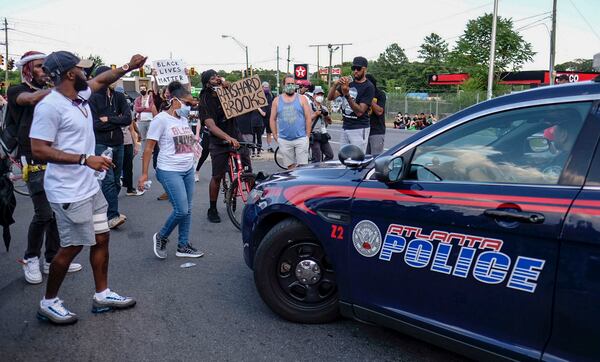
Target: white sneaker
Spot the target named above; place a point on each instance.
(56, 313)
(197, 177)
(31, 269)
(116, 222)
(74, 267)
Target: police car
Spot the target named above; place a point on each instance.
(480, 233)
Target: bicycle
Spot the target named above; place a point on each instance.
(15, 174)
(279, 159)
(240, 182)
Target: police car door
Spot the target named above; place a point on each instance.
(467, 240)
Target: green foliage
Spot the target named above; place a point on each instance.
(98, 61)
(576, 65)
(434, 49)
(473, 47)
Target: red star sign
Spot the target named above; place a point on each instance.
(300, 72)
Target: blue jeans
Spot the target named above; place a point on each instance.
(111, 185)
(180, 188)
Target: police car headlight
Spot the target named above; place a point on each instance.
(254, 195)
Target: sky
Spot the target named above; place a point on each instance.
(191, 30)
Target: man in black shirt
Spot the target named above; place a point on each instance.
(22, 99)
(224, 134)
(111, 112)
(357, 97)
(377, 117)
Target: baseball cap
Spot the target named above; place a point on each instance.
(360, 62)
(57, 63)
(318, 89)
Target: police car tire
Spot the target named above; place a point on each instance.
(265, 276)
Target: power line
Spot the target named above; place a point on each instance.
(40, 36)
(585, 20)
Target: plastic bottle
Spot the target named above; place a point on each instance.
(107, 153)
(147, 185)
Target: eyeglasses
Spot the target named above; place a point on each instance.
(355, 68)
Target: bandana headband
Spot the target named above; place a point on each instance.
(21, 62)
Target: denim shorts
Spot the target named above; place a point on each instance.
(79, 222)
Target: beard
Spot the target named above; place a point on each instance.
(80, 84)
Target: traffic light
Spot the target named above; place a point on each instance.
(192, 71)
(142, 72)
(11, 64)
(113, 66)
(1, 59)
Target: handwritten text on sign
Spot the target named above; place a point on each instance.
(242, 97)
(169, 70)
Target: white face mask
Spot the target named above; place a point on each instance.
(319, 99)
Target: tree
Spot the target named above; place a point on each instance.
(577, 65)
(98, 61)
(434, 49)
(391, 64)
(393, 56)
(473, 47)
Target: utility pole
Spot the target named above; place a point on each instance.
(331, 50)
(490, 82)
(553, 43)
(277, 85)
(6, 48)
(288, 61)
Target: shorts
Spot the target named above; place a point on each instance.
(79, 222)
(376, 144)
(219, 157)
(358, 137)
(294, 151)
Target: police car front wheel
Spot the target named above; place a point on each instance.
(294, 276)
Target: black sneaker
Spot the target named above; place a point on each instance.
(213, 216)
(188, 251)
(160, 244)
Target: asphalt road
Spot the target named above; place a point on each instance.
(208, 312)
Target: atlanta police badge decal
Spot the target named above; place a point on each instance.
(366, 238)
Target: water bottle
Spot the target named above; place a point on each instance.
(107, 153)
(147, 185)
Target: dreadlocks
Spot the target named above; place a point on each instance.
(26, 64)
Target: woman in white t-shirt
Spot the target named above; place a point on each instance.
(175, 168)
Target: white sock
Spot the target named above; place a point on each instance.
(102, 294)
(48, 302)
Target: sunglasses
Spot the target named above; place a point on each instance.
(355, 68)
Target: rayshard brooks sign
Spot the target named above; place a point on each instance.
(242, 97)
(169, 70)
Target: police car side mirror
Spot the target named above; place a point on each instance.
(352, 156)
(388, 169)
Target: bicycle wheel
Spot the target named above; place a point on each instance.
(279, 159)
(16, 177)
(236, 199)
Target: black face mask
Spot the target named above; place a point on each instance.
(143, 92)
(80, 84)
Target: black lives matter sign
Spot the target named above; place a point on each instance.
(242, 97)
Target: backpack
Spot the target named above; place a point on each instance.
(8, 134)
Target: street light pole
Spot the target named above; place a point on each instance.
(243, 46)
(490, 82)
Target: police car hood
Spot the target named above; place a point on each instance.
(323, 170)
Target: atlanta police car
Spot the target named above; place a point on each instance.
(480, 233)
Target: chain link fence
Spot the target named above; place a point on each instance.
(441, 104)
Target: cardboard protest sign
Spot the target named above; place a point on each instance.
(169, 70)
(242, 97)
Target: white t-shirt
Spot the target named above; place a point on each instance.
(175, 139)
(70, 128)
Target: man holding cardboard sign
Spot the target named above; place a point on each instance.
(224, 133)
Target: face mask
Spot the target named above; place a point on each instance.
(319, 99)
(184, 111)
(289, 89)
(143, 92)
(80, 83)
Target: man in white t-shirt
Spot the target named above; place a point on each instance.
(62, 135)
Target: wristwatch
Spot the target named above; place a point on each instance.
(82, 159)
(125, 67)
